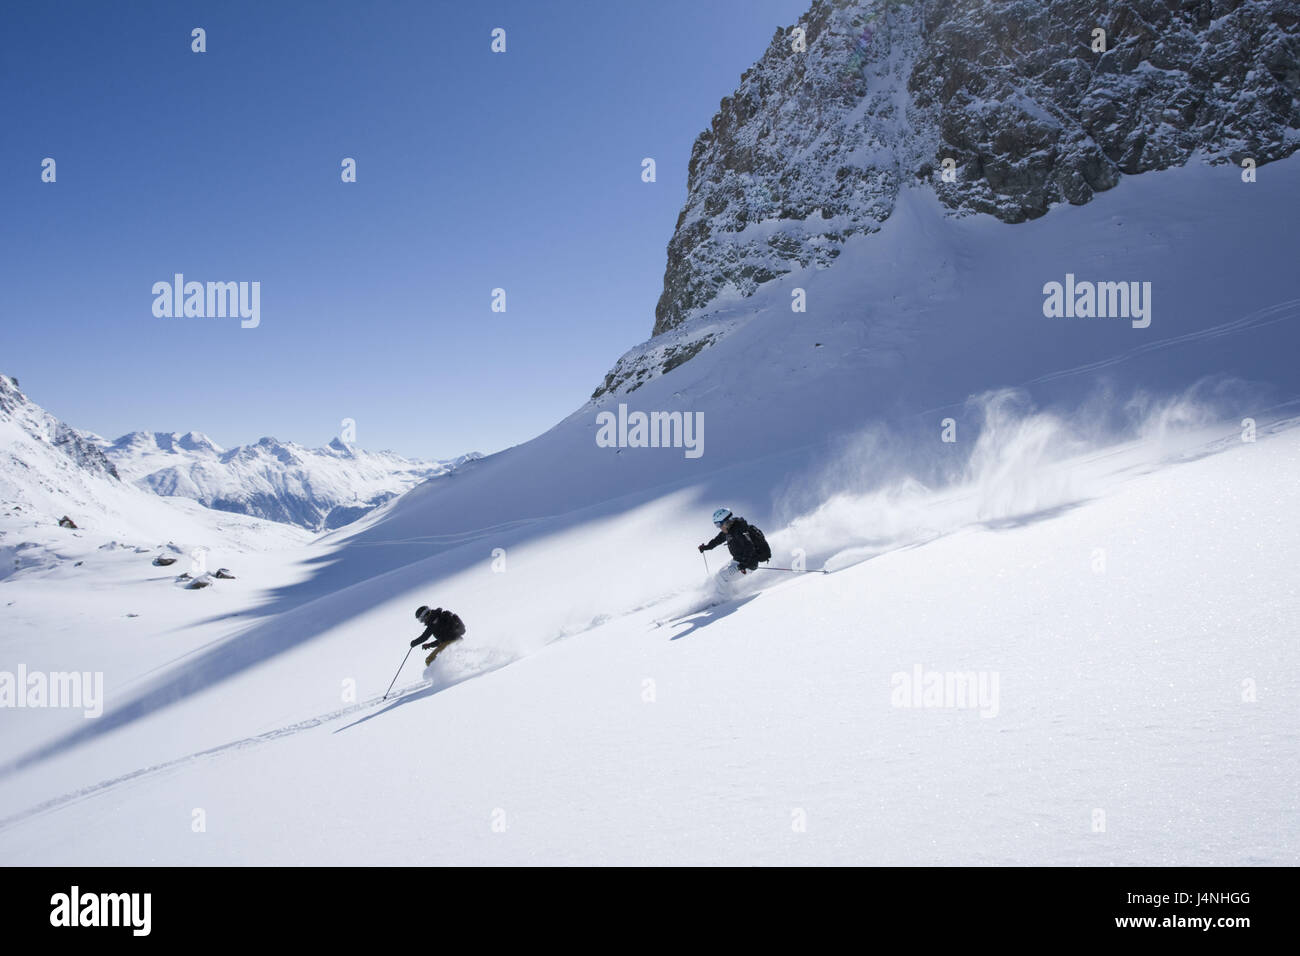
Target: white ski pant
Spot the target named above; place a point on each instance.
(729, 575)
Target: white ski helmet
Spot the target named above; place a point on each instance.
(721, 515)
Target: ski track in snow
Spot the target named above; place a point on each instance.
(1269, 315)
(484, 665)
(1278, 312)
(85, 793)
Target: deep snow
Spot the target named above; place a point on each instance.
(708, 739)
(1119, 690)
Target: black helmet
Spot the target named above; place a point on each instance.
(420, 611)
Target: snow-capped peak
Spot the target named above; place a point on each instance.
(315, 488)
(197, 441)
(142, 442)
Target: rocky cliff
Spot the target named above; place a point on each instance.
(1025, 104)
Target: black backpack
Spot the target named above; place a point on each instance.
(448, 626)
(762, 551)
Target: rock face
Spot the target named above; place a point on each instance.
(1058, 122)
(814, 145)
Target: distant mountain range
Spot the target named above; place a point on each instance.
(314, 488)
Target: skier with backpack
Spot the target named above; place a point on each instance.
(443, 626)
(746, 543)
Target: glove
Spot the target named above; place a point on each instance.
(703, 549)
(743, 571)
(414, 642)
(429, 646)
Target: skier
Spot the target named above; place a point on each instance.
(745, 542)
(443, 626)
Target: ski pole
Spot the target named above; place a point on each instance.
(706, 563)
(399, 670)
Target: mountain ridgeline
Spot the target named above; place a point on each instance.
(315, 488)
(1026, 104)
(319, 489)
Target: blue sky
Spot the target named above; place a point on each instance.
(475, 171)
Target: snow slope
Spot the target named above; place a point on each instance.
(764, 731)
(1120, 691)
(91, 597)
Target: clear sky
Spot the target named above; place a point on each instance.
(475, 171)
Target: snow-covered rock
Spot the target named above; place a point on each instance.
(814, 146)
(22, 413)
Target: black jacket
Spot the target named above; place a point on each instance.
(741, 548)
(442, 626)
